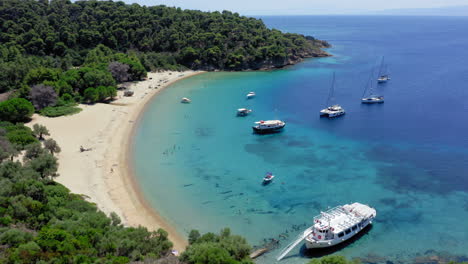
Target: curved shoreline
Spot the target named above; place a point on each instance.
(129, 177)
(104, 174)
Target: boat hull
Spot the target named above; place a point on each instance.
(372, 101)
(268, 130)
(311, 243)
(331, 115)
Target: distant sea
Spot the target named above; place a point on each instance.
(201, 167)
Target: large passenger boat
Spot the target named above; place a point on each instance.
(339, 224)
(334, 226)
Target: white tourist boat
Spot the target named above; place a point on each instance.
(268, 126)
(251, 95)
(383, 74)
(334, 226)
(339, 224)
(334, 110)
(243, 111)
(185, 100)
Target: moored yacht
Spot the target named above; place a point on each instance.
(185, 100)
(339, 224)
(383, 78)
(251, 95)
(243, 111)
(371, 98)
(383, 74)
(334, 110)
(269, 126)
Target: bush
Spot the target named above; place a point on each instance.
(16, 110)
(333, 260)
(55, 111)
(216, 249)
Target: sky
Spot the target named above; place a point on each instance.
(301, 7)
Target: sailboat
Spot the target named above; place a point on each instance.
(371, 98)
(383, 74)
(334, 110)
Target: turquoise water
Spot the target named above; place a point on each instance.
(201, 167)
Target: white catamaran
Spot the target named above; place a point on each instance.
(334, 110)
(334, 226)
(371, 98)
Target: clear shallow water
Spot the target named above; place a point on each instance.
(201, 166)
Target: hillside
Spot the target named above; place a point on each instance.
(168, 36)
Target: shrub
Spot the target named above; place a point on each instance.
(55, 111)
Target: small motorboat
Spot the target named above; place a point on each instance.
(269, 126)
(243, 111)
(185, 100)
(268, 178)
(251, 95)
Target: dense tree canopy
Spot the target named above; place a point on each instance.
(222, 40)
(16, 110)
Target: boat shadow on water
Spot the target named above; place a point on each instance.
(321, 252)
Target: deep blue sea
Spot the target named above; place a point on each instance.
(201, 167)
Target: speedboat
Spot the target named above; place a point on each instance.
(373, 99)
(243, 111)
(268, 178)
(269, 126)
(185, 100)
(250, 95)
(332, 111)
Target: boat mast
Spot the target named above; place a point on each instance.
(381, 66)
(331, 95)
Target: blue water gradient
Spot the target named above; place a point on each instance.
(201, 167)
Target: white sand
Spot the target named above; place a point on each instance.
(103, 173)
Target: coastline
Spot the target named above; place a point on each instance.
(104, 174)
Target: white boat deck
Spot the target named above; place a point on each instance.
(341, 218)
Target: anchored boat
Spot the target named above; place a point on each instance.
(185, 100)
(371, 98)
(334, 110)
(334, 226)
(269, 126)
(251, 95)
(243, 111)
(383, 74)
(268, 178)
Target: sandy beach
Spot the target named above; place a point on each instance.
(103, 174)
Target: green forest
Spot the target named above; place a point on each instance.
(56, 54)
